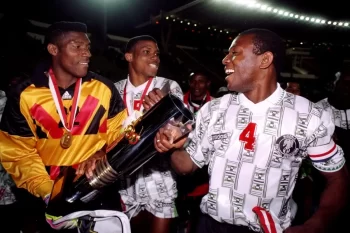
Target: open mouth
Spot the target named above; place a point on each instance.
(155, 66)
(84, 63)
(229, 71)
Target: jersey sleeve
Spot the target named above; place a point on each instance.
(116, 116)
(326, 156)
(18, 152)
(176, 89)
(198, 146)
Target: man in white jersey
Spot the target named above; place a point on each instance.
(254, 143)
(154, 189)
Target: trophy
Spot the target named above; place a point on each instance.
(73, 193)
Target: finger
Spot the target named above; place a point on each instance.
(161, 146)
(156, 142)
(93, 164)
(148, 101)
(158, 148)
(189, 127)
(88, 172)
(153, 97)
(81, 168)
(146, 107)
(165, 143)
(87, 167)
(159, 93)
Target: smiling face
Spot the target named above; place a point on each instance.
(72, 53)
(144, 58)
(199, 85)
(242, 65)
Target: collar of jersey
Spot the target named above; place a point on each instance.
(274, 99)
(131, 88)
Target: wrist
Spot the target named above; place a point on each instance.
(46, 199)
(44, 189)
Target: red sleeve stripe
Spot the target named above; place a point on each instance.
(326, 153)
(265, 219)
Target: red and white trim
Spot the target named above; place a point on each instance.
(266, 221)
(331, 150)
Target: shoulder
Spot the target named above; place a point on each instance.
(162, 81)
(20, 89)
(216, 104)
(120, 83)
(300, 105)
(99, 78)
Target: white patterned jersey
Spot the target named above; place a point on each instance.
(254, 152)
(6, 183)
(134, 94)
(341, 118)
(154, 188)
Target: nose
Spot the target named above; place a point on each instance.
(155, 57)
(225, 60)
(86, 53)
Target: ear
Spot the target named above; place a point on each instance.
(52, 49)
(128, 57)
(266, 60)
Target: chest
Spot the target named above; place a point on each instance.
(92, 107)
(273, 138)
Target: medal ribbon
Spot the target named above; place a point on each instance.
(142, 96)
(68, 125)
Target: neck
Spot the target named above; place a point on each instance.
(63, 79)
(197, 98)
(137, 79)
(261, 92)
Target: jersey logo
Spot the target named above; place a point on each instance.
(288, 145)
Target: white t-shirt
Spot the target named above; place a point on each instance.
(154, 188)
(254, 152)
(134, 94)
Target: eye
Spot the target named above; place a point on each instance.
(146, 51)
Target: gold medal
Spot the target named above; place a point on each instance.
(66, 140)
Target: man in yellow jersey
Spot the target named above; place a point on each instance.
(63, 115)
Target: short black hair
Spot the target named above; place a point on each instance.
(267, 41)
(56, 30)
(199, 72)
(133, 41)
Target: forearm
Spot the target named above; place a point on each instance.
(22, 161)
(182, 162)
(332, 202)
(33, 177)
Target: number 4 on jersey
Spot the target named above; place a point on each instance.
(247, 136)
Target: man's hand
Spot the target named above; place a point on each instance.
(152, 98)
(88, 165)
(166, 136)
